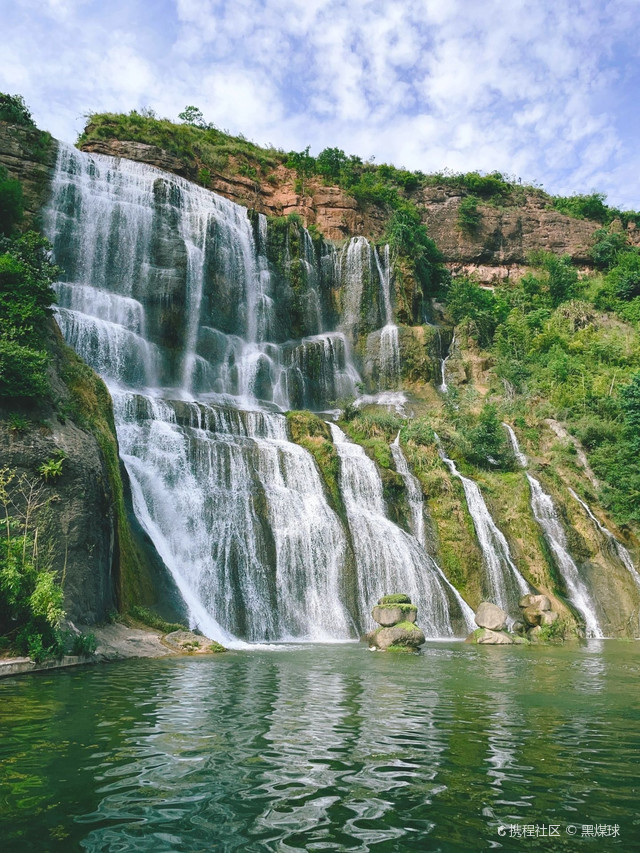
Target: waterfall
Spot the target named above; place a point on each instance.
(169, 294)
(389, 344)
(414, 499)
(443, 366)
(545, 514)
(504, 583)
(521, 459)
(387, 558)
(618, 548)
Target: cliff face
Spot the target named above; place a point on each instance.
(104, 559)
(29, 156)
(99, 551)
(497, 248)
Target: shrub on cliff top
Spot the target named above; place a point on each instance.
(14, 110)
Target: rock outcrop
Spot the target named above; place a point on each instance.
(29, 156)
(498, 248)
(98, 549)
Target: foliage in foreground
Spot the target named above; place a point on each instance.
(31, 594)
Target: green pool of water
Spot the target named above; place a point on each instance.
(327, 748)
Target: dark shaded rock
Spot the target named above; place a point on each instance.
(531, 615)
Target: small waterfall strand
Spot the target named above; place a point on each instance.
(388, 559)
(545, 514)
(414, 499)
(505, 585)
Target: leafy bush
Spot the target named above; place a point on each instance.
(409, 238)
(52, 468)
(593, 207)
(467, 301)
(606, 248)
(11, 207)
(26, 275)
(31, 598)
(625, 275)
(14, 110)
(469, 217)
(84, 644)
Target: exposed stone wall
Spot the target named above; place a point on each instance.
(29, 155)
(498, 249)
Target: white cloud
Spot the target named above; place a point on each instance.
(532, 87)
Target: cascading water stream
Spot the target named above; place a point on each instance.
(170, 297)
(387, 558)
(389, 344)
(443, 366)
(545, 514)
(414, 499)
(504, 583)
(619, 550)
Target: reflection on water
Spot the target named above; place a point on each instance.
(323, 748)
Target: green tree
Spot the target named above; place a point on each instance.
(409, 238)
(192, 115)
(14, 110)
(625, 276)
(467, 301)
(607, 247)
(331, 162)
(488, 439)
(26, 275)
(31, 599)
(630, 400)
(469, 217)
(303, 163)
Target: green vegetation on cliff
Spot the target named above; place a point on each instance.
(567, 347)
(26, 276)
(203, 149)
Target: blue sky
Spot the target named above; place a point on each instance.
(547, 90)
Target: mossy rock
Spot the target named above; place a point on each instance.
(395, 598)
(392, 614)
(404, 634)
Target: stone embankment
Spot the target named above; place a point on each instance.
(119, 642)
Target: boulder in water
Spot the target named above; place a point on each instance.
(536, 611)
(485, 636)
(404, 636)
(490, 616)
(191, 643)
(396, 615)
